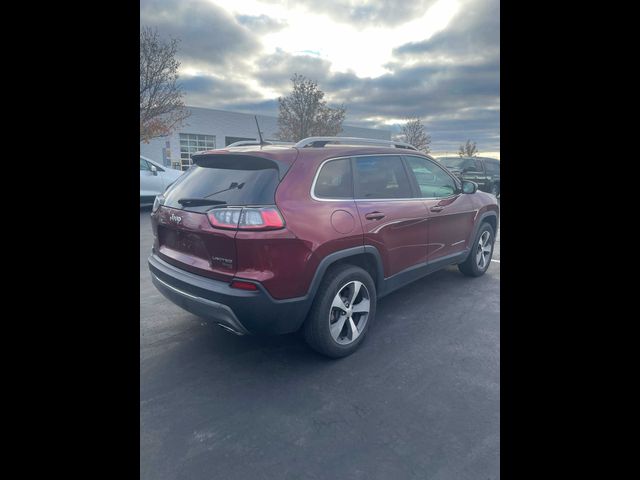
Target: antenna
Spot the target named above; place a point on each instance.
(262, 142)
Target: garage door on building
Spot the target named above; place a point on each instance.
(191, 143)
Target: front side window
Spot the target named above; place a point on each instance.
(334, 180)
(144, 165)
(432, 180)
(380, 177)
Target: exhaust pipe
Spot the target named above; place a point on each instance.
(229, 329)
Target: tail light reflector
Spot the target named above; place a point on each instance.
(243, 285)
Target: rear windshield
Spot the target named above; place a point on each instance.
(230, 180)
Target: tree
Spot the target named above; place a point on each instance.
(414, 133)
(468, 149)
(161, 106)
(304, 113)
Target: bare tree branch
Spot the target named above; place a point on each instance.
(304, 113)
(161, 106)
(468, 149)
(414, 133)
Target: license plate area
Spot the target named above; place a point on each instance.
(182, 241)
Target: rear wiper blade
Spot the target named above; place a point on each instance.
(231, 187)
(200, 201)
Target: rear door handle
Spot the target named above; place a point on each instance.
(436, 209)
(374, 216)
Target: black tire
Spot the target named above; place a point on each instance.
(470, 266)
(316, 329)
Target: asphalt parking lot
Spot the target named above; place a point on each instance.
(420, 399)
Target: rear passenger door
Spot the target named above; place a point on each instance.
(451, 214)
(394, 221)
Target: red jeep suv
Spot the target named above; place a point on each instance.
(271, 239)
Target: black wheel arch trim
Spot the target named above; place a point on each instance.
(479, 222)
(334, 257)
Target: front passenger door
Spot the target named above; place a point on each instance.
(450, 213)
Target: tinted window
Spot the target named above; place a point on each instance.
(380, 177)
(230, 140)
(453, 162)
(144, 165)
(234, 181)
(334, 180)
(492, 167)
(432, 180)
(471, 165)
(461, 163)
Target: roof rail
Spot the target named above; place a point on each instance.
(322, 141)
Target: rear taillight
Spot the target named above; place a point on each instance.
(224, 217)
(246, 218)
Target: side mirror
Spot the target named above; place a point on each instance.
(469, 186)
(154, 170)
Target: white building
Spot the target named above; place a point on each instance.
(207, 128)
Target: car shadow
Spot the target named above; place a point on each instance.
(443, 293)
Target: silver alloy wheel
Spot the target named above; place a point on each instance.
(483, 252)
(349, 312)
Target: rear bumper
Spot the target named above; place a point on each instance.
(243, 312)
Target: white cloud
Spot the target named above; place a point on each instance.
(363, 50)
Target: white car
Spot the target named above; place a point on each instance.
(154, 179)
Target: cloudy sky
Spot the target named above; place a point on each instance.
(384, 59)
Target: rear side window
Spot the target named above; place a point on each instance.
(230, 181)
(380, 177)
(334, 180)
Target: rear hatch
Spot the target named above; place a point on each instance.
(216, 190)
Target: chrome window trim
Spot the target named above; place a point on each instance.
(315, 179)
(346, 199)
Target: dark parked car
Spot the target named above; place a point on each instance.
(268, 240)
(481, 170)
